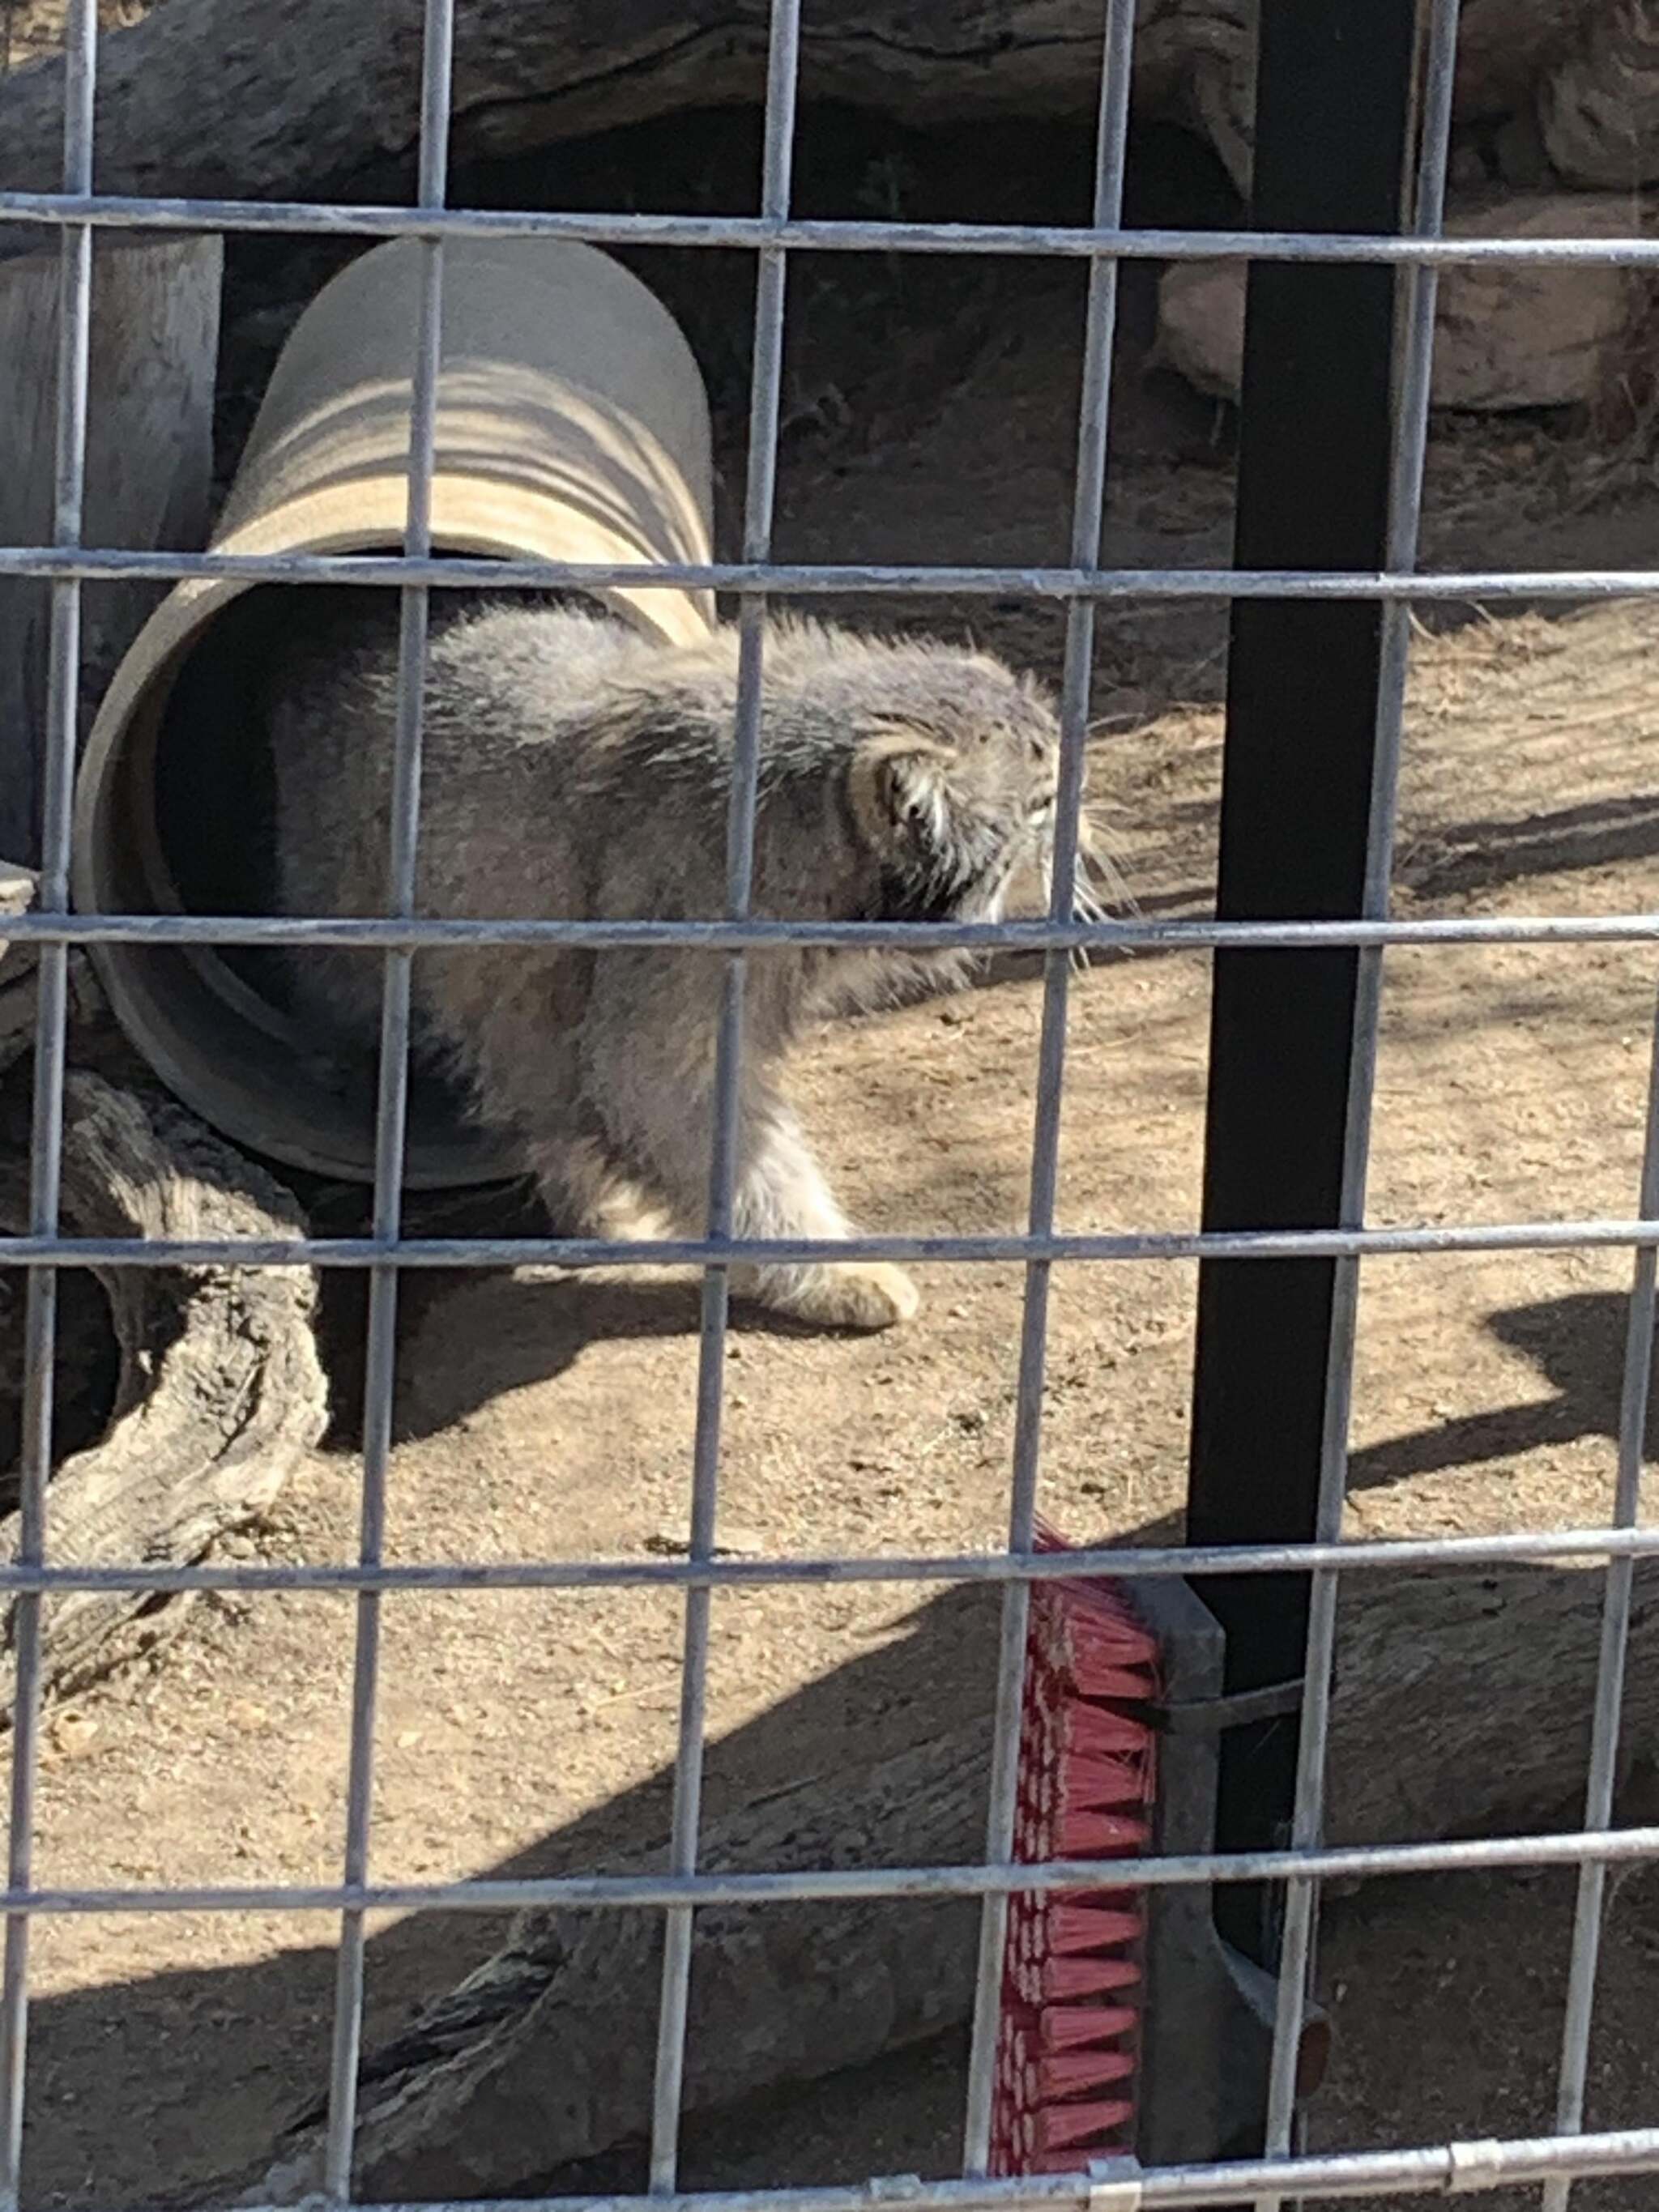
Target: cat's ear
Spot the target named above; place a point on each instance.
(895, 782)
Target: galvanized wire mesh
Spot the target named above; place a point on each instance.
(74, 213)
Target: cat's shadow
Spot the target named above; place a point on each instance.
(528, 1330)
(468, 1336)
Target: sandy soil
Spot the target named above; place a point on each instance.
(552, 1418)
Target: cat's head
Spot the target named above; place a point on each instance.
(953, 778)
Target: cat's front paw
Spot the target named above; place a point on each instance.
(872, 1294)
(862, 1294)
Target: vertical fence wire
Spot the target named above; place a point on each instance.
(1589, 1906)
(391, 1102)
(1421, 285)
(782, 76)
(1087, 513)
(51, 1047)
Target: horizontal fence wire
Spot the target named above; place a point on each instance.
(1033, 936)
(1454, 2168)
(1390, 1554)
(73, 214)
(1151, 1244)
(805, 578)
(1067, 241)
(850, 1885)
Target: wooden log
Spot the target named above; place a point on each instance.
(220, 1390)
(1505, 337)
(154, 348)
(1463, 1707)
(335, 85)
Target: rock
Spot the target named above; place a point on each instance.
(1506, 336)
(1597, 110)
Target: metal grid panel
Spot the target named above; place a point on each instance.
(1552, 2162)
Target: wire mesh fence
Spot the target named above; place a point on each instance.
(773, 233)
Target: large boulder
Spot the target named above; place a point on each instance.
(1506, 335)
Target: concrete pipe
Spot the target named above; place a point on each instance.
(572, 425)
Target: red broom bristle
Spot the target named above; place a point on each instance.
(1100, 1732)
(1065, 2074)
(1062, 2126)
(1067, 2027)
(1081, 1833)
(1092, 1781)
(1068, 1980)
(1072, 1970)
(1073, 1927)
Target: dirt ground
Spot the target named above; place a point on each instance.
(551, 1418)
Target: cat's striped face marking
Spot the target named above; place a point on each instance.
(959, 793)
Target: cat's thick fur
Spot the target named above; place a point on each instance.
(572, 769)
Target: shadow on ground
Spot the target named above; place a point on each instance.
(899, 1694)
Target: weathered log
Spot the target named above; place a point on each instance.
(546, 2053)
(16, 966)
(334, 86)
(219, 1390)
(1463, 1707)
(19, 962)
(1505, 336)
(84, 1340)
(154, 347)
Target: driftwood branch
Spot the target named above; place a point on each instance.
(1463, 1707)
(219, 1390)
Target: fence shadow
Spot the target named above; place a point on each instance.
(198, 2070)
(1577, 1343)
(156, 2089)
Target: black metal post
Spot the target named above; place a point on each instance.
(1335, 114)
